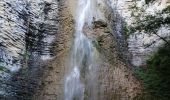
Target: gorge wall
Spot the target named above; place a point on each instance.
(36, 37)
(104, 37)
(27, 31)
(143, 41)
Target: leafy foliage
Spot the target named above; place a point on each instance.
(150, 23)
(166, 10)
(148, 1)
(126, 31)
(156, 78)
(3, 68)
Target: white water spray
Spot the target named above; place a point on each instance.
(80, 82)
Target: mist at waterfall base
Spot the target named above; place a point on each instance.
(81, 78)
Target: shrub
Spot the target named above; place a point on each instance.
(156, 78)
(148, 1)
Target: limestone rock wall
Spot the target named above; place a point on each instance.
(116, 79)
(12, 41)
(52, 87)
(43, 25)
(28, 29)
(12, 36)
(36, 37)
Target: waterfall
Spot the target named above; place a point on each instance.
(80, 81)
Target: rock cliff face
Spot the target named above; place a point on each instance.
(13, 31)
(36, 38)
(142, 43)
(119, 82)
(12, 41)
(53, 79)
(27, 31)
(119, 76)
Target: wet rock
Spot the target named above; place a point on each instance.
(99, 24)
(53, 76)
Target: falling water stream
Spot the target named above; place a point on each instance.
(80, 82)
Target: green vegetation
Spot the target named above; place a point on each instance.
(156, 78)
(126, 31)
(148, 1)
(26, 55)
(166, 10)
(148, 23)
(152, 23)
(3, 68)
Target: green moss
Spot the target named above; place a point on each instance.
(156, 78)
(126, 31)
(26, 55)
